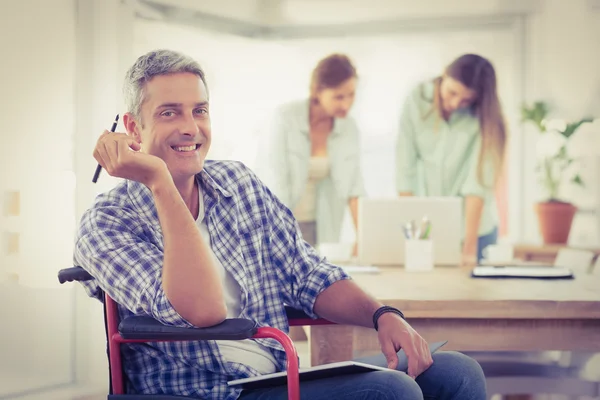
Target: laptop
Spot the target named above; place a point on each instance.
(380, 228)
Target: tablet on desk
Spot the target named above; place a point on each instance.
(526, 271)
(324, 371)
(514, 263)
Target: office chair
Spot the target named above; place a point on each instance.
(140, 329)
(545, 372)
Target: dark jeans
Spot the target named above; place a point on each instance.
(453, 376)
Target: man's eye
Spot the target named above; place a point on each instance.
(201, 111)
(167, 113)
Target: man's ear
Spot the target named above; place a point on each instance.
(132, 126)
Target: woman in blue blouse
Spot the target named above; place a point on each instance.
(314, 163)
(452, 143)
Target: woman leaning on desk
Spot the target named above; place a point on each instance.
(452, 143)
(313, 159)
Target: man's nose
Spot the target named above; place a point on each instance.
(189, 125)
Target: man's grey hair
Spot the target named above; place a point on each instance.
(146, 67)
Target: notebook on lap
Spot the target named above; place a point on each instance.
(326, 371)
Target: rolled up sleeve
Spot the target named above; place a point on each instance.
(124, 265)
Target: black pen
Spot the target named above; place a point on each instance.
(99, 167)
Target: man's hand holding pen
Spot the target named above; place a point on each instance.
(119, 155)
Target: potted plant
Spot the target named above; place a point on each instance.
(555, 214)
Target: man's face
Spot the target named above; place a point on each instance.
(175, 123)
(455, 95)
(337, 101)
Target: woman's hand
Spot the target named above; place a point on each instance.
(469, 255)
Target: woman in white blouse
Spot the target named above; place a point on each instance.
(313, 159)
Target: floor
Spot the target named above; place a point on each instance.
(78, 393)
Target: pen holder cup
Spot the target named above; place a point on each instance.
(418, 255)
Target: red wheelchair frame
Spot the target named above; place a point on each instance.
(142, 329)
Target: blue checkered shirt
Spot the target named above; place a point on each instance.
(254, 236)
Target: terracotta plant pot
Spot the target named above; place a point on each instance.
(555, 219)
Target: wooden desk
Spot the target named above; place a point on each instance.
(542, 253)
(473, 314)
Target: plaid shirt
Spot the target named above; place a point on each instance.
(253, 235)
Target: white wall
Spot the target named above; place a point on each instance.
(564, 69)
(103, 55)
(62, 71)
(37, 42)
(277, 13)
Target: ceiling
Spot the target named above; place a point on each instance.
(264, 18)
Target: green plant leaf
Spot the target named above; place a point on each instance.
(561, 154)
(578, 181)
(573, 126)
(535, 114)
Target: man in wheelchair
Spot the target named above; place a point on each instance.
(191, 242)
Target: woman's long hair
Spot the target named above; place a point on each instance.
(477, 74)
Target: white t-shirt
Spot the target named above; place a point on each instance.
(306, 209)
(247, 352)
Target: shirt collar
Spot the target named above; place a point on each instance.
(304, 121)
(201, 209)
(209, 193)
(210, 190)
(210, 185)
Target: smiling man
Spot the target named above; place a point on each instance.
(191, 242)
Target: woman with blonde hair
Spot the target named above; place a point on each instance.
(452, 141)
(313, 159)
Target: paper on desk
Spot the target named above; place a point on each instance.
(366, 269)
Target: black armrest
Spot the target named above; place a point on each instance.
(74, 274)
(294, 313)
(147, 328)
(146, 397)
